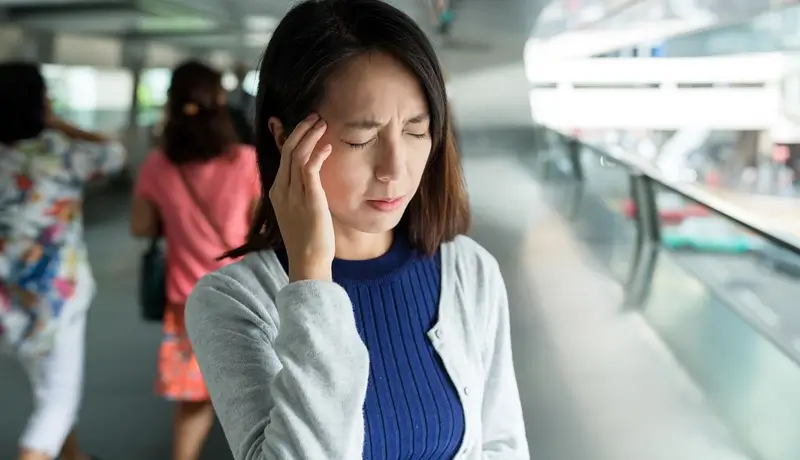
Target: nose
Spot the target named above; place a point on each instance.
(390, 162)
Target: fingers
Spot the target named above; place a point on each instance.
(311, 179)
(302, 152)
(299, 133)
(284, 168)
(284, 175)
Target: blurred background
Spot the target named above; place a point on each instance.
(632, 164)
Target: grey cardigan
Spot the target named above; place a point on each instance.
(287, 370)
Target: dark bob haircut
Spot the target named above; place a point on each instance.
(23, 96)
(311, 42)
(198, 125)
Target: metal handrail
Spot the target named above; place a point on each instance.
(694, 193)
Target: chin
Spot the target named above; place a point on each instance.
(380, 225)
(370, 221)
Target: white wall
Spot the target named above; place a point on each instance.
(730, 92)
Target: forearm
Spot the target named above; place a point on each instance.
(73, 132)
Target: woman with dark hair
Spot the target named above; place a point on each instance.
(199, 190)
(46, 284)
(361, 322)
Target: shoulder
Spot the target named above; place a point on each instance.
(152, 169)
(245, 154)
(155, 160)
(243, 290)
(479, 285)
(49, 142)
(473, 263)
(257, 271)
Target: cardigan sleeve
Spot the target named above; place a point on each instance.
(292, 392)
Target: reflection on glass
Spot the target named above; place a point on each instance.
(722, 297)
(759, 279)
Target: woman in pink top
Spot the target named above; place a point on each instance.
(199, 189)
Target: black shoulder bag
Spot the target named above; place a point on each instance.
(153, 281)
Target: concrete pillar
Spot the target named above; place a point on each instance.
(135, 138)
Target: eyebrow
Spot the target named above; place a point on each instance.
(363, 124)
(369, 123)
(418, 119)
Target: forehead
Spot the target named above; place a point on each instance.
(373, 84)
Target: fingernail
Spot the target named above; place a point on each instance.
(313, 116)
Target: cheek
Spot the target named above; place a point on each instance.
(341, 178)
(417, 163)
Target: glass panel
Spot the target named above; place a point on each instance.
(606, 213)
(724, 300)
(599, 208)
(730, 258)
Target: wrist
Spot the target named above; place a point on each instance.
(314, 272)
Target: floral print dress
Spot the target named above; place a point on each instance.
(41, 232)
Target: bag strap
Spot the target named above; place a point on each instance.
(203, 211)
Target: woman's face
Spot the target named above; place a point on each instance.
(378, 125)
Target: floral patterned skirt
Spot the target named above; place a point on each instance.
(179, 377)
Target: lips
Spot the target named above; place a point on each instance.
(387, 204)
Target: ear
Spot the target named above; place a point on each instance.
(277, 131)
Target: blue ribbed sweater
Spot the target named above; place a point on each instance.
(412, 410)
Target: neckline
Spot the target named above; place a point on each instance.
(447, 291)
(396, 260)
(399, 254)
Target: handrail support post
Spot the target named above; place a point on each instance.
(648, 240)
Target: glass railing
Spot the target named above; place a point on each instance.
(721, 288)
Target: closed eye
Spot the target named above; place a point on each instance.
(364, 145)
(360, 146)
